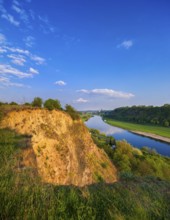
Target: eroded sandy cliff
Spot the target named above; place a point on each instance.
(64, 150)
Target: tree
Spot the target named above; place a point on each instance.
(72, 112)
(13, 103)
(51, 104)
(166, 123)
(37, 102)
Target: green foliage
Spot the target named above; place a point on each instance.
(143, 114)
(103, 141)
(24, 196)
(146, 163)
(13, 103)
(153, 129)
(72, 112)
(85, 116)
(27, 104)
(51, 104)
(37, 102)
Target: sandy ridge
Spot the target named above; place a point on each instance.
(154, 136)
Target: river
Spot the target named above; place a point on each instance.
(134, 139)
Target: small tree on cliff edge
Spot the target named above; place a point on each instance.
(37, 102)
(51, 104)
(72, 112)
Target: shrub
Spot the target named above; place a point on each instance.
(51, 104)
(72, 112)
(37, 102)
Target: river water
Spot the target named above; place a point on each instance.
(134, 139)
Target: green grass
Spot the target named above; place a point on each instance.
(24, 196)
(85, 116)
(162, 131)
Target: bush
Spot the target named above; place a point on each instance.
(72, 112)
(51, 104)
(37, 102)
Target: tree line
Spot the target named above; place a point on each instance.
(142, 114)
(50, 104)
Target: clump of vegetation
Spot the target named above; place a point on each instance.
(72, 112)
(85, 116)
(52, 104)
(102, 141)
(37, 102)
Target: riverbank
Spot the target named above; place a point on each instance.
(156, 132)
(154, 136)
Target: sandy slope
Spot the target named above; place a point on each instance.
(65, 152)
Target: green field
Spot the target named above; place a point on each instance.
(162, 131)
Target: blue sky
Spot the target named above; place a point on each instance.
(92, 54)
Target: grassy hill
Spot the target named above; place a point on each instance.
(24, 196)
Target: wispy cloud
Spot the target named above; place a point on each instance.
(18, 50)
(33, 71)
(38, 60)
(7, 70)
(7, 82)
(81, 100)
(60, 83)
(17, 59)
(17, 7)
(16, 2)
(126, 44)
(7, 16)
(2, 50)
(2, 38)
(45, 25)
(108, 92)
(11, 19)
(29, 41)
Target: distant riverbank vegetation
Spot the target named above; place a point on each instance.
(142, 115)
(153, 129)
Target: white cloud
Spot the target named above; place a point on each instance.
(29, 41)
(16, 2)
(2, 39)
(17, 59)
(18, 50)
(60, 83)
(33, 71)
(38, 60)
(6, 69)
(2, 50)
(81, 100)
(45, 25)
(108, 92)
(10, 18)
(21, 12)
(6, 82)
(17, 9)
(126, 44)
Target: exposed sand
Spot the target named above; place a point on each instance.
(154, 136)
